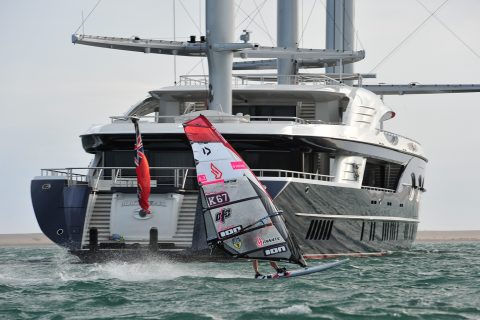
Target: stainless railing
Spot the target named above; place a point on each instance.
(378, 189)
(291, 174)
(108, 177)
(242, 118)
(248, 79)
(104, 178)
(179, 177)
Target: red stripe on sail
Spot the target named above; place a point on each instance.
(201, 130)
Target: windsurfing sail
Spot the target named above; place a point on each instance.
(239, 215)
(142, 170)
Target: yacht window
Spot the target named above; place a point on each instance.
(273, 159)
(272, 111)
(381, 174)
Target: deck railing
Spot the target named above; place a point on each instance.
(271, 79)
(179, 177)
(291, 174)
(104, 178)
(378, 189)
(107, 177)
(241, 118)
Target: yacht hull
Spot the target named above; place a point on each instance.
(325, 220)
(335, 220)
(60, 210)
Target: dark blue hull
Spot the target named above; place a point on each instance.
(60, 210)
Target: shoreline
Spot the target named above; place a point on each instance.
(39, 239)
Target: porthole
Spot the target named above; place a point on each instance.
(307, 189)
(60, 232)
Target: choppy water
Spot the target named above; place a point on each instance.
(432, 281)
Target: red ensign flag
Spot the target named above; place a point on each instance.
(143, 172)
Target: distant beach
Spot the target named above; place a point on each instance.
(24, 239)
(438, 236)
(39, 239)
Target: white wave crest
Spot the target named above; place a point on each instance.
(145, 271)
(295, 309)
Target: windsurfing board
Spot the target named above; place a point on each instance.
(303, 271)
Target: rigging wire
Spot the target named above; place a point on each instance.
(408, 37)
(247, 15)
(190, 16)
(301, 23)
(357, 37)
(450, 30)
(193, 68)
(174, 39)
(200, 16)
(88, 15)
(252, 21)
(308, 20)
(264, 24)
(83, 24)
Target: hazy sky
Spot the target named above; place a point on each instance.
(52, 91)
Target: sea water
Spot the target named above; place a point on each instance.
(431, 281)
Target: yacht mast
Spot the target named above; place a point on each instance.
(340, 32)
(219, 31)
(287, 37)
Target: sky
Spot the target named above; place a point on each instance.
(52, 91)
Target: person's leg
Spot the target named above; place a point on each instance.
(277, 268)
(255, 266)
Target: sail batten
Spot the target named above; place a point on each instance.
(239, 215)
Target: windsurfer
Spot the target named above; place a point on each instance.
(272, 263)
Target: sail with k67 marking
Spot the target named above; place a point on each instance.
(239, 215)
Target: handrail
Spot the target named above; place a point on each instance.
(185, 178)
(245, 79)
(245, 118)
(292, 174)
(378, 189)
(178, 176)
(95, 186)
